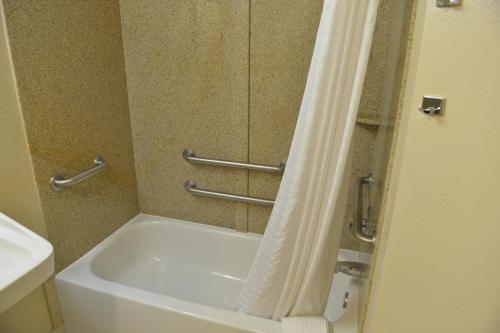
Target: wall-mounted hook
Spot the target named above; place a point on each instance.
(433, 106)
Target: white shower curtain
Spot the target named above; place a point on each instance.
(292, 272)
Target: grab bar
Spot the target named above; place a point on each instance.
(57, 183)
(361, 222)
(191, 157)
(192, 188)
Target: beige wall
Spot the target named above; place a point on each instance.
(437, 269)
(381, 102)
(29, 315)
(187, 74)
(18, 192)
(68, 61)
(224, 79)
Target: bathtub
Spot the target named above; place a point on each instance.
(159, 275)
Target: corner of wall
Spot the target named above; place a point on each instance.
(19, 197)
(406, 98)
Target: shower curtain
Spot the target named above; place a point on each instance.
(294, 266)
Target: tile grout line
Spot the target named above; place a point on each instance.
(248, 106)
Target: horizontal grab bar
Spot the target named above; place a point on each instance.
(57, 183)
(191, 157)
(192, 188)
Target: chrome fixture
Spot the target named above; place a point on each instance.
(192, 188)
(345, 303)
(57, 183)
(191, 157)
(363, 221)
(353, 268)
(448, 3)
(433, 106)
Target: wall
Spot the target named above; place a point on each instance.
(373, 135)
(221, 78)
(68, 61)
(397, 27)
(18, 193)
(226, 79)
(440, 238)
(187, 73)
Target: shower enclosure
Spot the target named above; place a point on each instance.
(182, 98)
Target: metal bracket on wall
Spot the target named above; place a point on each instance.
(433, 106)
(448, 3)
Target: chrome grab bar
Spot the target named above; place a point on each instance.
(361, 222)
(192, 188)
(57, 183)
(191, 157)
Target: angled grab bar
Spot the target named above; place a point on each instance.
(191, 157)
(58, 182)
(192, 188)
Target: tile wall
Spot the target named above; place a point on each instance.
(68, 61)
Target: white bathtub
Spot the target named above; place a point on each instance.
(159, 275)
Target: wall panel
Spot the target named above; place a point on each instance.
(68, 61)
(187, 74)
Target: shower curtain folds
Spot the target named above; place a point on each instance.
(294, 266)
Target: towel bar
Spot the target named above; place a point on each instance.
(191, 157)
(192, 188)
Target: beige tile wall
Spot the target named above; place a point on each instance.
(222, 78)
(187, 73)
(226, 79)
(68, 60)
(197, 79)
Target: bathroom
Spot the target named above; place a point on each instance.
(144, 143)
